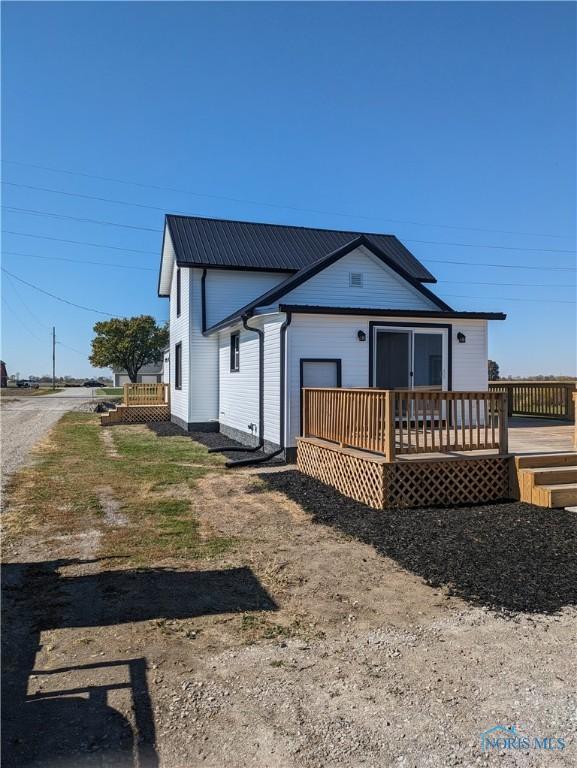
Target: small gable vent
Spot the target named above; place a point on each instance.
(356, 279)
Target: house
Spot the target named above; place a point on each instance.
(148, 374)
(258, 311)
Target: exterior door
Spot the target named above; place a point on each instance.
(392, 359)
(427, 360)
(411, 358)
(320, 373)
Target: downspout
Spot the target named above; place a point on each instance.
(282, 351)
(203, 299)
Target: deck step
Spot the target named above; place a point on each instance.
(546, 460)
(547, 480)
(556, 495)
(553, 475)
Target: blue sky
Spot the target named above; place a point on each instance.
(444, 123)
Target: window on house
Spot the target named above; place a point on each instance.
(234, 351)
(178, 366)
(356, 279)
(178, 301)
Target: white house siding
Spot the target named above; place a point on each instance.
(180, 332)
(382, 287)
(228, 290)
(239, 390)
(335, 336)
(203, 390)
(271, 326)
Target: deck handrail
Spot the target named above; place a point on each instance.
(552, 399)
(146, 394)
(397, 422)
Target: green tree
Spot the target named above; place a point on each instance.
(128, 343)
(493, 371)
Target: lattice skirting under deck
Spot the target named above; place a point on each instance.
(136, 414)
(371, 480)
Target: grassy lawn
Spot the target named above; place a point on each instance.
(25, 392)
(109, 391)
(87, 476)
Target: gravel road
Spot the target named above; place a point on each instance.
(26, 419)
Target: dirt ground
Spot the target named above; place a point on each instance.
(328, 635)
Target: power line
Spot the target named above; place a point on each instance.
(54, 215)
(163, 210)
(268, 204)
(78, 261)
(516, 285)
(21, 321)
(153, 269)
(32, 314)
(509, 298)
(78, 242)
(58, 298)
(502, 266)
(67, 346)
(492, 247)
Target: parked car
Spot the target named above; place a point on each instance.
(92, 383)
(26, 384)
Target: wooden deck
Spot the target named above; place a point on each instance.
(410, 449)
(527, 435)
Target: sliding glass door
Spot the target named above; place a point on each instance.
(411, 358)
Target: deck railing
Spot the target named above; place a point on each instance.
(145, 394)
(553, 399)
(396, 422)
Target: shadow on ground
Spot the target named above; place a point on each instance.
(74, 725)
(509, 557)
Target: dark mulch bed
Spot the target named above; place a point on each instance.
(210, 440)
(510, 557)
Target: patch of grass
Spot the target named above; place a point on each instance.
(166, 525)
(8, 392)
(63, 490)
(109, 391)
(141, 444)
(257, 627)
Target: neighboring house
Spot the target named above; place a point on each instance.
(257, 311)
(148, 374)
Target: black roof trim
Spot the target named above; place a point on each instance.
(307, 272)
(316, 310)
(220, 243)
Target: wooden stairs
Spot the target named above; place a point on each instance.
(548, 480)
(136, 414)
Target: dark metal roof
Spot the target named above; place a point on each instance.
(220, 243)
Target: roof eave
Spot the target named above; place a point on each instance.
(319, 310)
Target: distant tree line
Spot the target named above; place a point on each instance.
(493, 370)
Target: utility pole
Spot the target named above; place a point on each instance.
(53, 357)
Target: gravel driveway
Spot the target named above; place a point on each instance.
(26, 419)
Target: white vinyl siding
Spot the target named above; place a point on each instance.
(335, 336)
(180, 332)
(272, 326)
(228, 290)
(381, 286)
(239, 390)
(203, 388)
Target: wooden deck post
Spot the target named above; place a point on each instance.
(389, 426)
(503, 411)
(571, 395)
